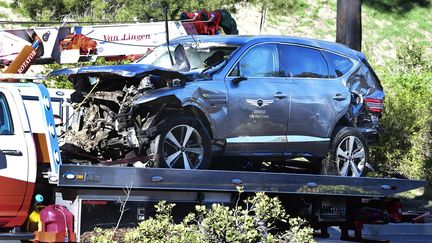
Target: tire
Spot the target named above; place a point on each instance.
(348, 154)
(170, 150)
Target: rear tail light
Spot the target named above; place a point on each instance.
(374, 105)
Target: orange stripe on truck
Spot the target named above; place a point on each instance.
(41, 148)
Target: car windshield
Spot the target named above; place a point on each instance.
(189, 56)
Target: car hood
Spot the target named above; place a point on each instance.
(115, 77)
(127, 71)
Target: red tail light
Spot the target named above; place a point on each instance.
(374, 105)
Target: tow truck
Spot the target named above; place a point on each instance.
(81, 197)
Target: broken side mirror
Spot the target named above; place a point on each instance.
(181, 62)
(237, 80)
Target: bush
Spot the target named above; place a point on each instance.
(254, 222)
(405, 145)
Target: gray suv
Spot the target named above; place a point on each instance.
(258, 97)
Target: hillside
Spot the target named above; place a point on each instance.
(385, 26)
(7, 13)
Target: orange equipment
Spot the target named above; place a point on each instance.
(24, 59)
(79, 41)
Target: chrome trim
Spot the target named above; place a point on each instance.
(304, 139)
(276, 139)
(258, 139)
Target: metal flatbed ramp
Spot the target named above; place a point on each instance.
(79, 176)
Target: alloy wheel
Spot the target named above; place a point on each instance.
(350, 157)
(183, 148)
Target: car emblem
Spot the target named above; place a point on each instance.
(259, 102)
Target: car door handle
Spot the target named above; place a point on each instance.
(11, 152)
(339, 97)
(280, 95)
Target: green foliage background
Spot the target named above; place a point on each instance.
(405, 145)
(135, 10)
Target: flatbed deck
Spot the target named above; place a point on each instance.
(79, 176)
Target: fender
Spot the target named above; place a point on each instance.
(170, 97)
(342, 118)
(163, 95)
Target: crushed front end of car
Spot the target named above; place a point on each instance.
(106, 125)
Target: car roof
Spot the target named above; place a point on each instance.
(244, 39)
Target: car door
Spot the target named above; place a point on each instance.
(13, 157)
(258, 104)
(317, 100)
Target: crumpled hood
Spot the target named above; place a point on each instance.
(115, 77)
(127, 71)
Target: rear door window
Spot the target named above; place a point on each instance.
(338, 65)
(302, 62)
(6, 127)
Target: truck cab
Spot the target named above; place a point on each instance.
(27, 140)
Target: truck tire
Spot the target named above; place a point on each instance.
(349, 154)
(182, 143)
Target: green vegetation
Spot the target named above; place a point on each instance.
(385, 29)
(259, 220)
(4, 4)
(134, 10)
(406, 140)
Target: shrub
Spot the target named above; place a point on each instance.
(405, 145)
(256, 221)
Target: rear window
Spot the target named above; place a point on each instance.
(302, 62)
(338, 65)
(374, 77)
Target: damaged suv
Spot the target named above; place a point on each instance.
(266, 97)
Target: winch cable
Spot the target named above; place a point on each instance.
(85, 99)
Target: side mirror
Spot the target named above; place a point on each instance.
(238, 79)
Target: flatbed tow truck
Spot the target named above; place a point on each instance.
(31, 165)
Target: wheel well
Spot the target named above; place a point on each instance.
(343, 122)
(188, 111)
(197, 113)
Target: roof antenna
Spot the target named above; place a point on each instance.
(167, 34)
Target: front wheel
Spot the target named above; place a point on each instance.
(182, 143)
(349, 154)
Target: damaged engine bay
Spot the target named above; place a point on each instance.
(105, 126)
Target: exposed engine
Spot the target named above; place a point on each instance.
(103, 126)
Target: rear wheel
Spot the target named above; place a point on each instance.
(349, 154)
(183, 143)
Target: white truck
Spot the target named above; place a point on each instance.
(31, 164)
